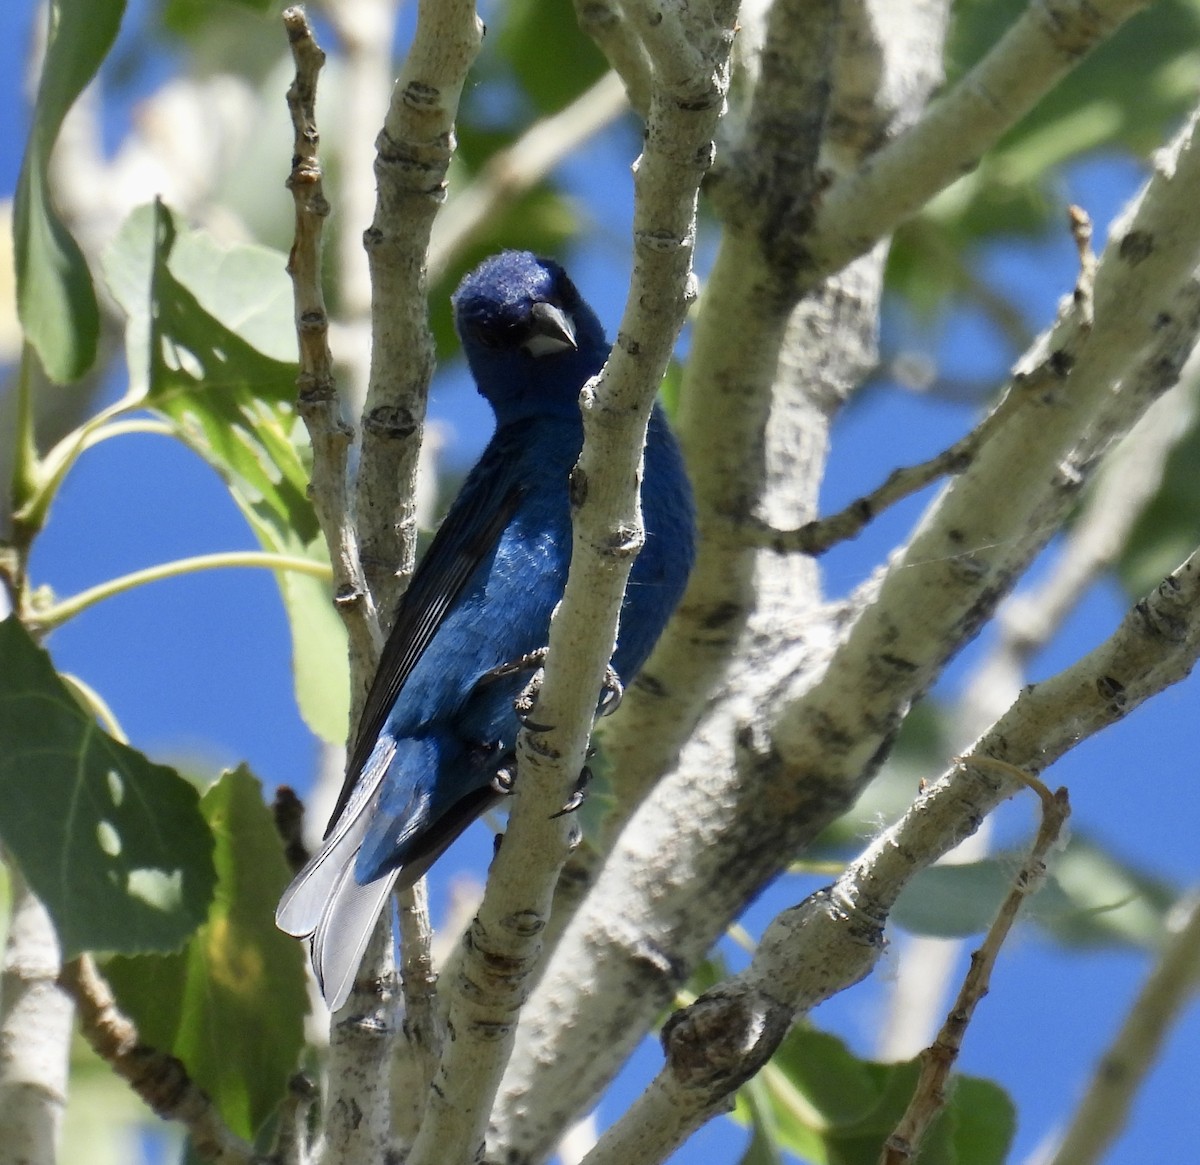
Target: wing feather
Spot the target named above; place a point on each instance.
(469, 533)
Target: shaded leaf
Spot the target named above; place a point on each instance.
(55, 297)
(1125, 95)
(820, 1102)
(209, 341)
(754, 1108)
(113, 845)
(528, 27)
(1169, 527)
(985, 1121)
(1090, 898)
(955, 899)
(231, 1005)
(1094, 899)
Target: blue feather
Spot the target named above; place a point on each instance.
(437, 727)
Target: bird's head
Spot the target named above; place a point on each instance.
(528, 336)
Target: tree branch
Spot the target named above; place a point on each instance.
(606, 23)
(690, 53)
(834, 938)
(510, 172)
(157, 1077)
(357, 1110)
(318, 402)
(35, 1033)
(1037, 51)
(1170, 986)
(776, 761)
(415, 148)
(938, 1060)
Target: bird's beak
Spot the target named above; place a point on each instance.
(551, 331)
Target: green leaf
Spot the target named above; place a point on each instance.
(231, 1006)
(985, 1121)
(1165, 533)
(819, 1101)
(840, 1089)
(528, 27)
(114, 846)
(755, 1109)
(209, 341)
(1090, 898)
(1093, 899)
(956, 899)
(1127, 94)
(55, 297)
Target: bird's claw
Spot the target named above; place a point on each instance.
(523, 704)
(502, 782)
(612, 693)
(578, 794)
(527, 662)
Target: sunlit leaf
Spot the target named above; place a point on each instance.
(209, 340)
(231, 1005)
(55, 297)
(113, 845)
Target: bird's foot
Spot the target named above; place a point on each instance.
(612, 693)
(523, 704)
(527, 662)
(578, 793)
(502, 782)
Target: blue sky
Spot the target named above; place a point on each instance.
(197, 669)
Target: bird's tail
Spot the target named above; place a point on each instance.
(327, 905)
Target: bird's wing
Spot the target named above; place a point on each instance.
(489, 498)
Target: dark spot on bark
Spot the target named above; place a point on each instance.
(721, 615)
(1136, 247)
(1061, 362)
(391, 423)
(652, 685)
(577, 488)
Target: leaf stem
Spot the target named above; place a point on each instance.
(32, 504)
(59, 613)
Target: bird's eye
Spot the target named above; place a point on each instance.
(490, 336)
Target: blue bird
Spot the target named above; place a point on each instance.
(438, 733)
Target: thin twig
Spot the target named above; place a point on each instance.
(413, 157)
(929, 1096)
(820, 535)
(318, 402)
(503, 947)
(157, 1077)
(288, 812)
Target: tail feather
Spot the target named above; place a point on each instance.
(326, 905)
(344, 930)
